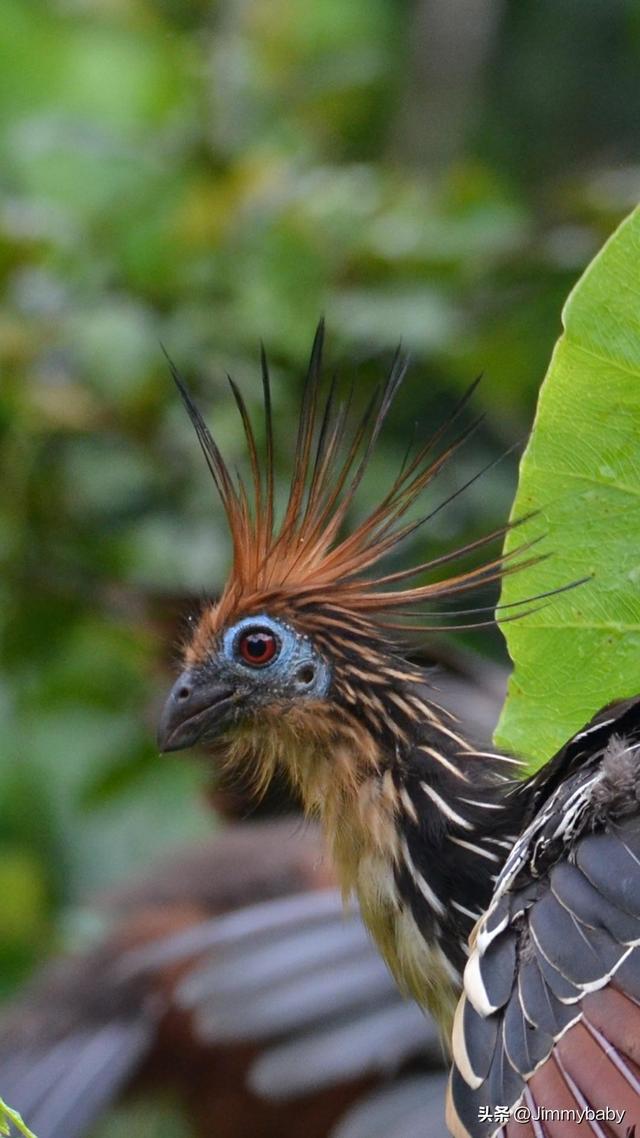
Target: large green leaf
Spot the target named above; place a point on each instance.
(581, 471)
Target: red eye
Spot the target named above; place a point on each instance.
(257, 646)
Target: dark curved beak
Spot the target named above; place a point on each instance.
(195, 706)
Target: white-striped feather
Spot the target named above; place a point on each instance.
(430, 897)
(474, 848)
(444, 808)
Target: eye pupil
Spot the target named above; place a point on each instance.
(258, 646)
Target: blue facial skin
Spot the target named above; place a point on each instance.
(296, 671)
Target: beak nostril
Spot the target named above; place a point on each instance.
(194, 705)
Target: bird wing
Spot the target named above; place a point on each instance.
(294, 976)
(61, 1087)
(550, 1016)
(300, 977)
(409, 1107)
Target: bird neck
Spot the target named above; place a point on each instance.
(421, 842)
(418, 821)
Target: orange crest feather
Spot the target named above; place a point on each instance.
(304, 560)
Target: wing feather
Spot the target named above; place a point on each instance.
(558, 986)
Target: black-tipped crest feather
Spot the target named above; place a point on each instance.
(304, 557)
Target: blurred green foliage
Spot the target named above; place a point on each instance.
(206, 175)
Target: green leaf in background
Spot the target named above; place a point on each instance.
(9, 1118)
(581, 470)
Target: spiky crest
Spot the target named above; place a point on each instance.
(304, 560)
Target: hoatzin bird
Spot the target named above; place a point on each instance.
(298, 667)
(228, 975)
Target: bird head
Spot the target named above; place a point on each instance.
(298, 663)
(239, 671)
